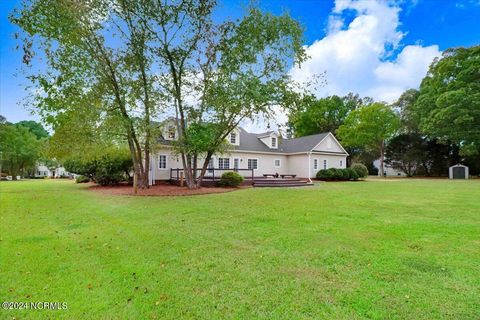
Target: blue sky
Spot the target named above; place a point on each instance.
(375, 48)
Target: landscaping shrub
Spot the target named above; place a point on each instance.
(324, 174)
(352, 174)
(230, 179)
(107, 169)
(82, 179)
(334, 174)
(360, 169)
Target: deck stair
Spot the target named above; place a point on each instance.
(279, 182)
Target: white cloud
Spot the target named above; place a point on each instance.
(357, 57)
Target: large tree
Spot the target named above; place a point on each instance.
(406, 152)
(97, 58)
(235, 70)
(448, 103)
(315, 115)
(369, 127)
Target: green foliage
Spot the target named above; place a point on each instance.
(448, 104)
(352, 174)
(360, 169)
(109, 168)
(34, 127)
(19, 149)
(230, 179)
(369, 126)
(315, 115)
(415, 154)
(405, 107)
(334, 174)
(324, 174)
(82, 179)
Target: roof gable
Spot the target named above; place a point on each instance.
(329, 144)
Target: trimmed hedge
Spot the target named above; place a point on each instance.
(334, 174)
(360, 169)
(230, 179)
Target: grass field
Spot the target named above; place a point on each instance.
(394, 249)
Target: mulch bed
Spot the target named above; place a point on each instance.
(159, 190)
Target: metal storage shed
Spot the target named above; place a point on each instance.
(458, 171)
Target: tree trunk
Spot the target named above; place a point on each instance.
(135, 183)
(382, 158)
(187, 168)
(204, 169)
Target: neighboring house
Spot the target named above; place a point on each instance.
(266, 153)
(43, 171)
(388, 169)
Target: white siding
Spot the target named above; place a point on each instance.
(266, 163)
(329, 144)
(289, 164)
(333, 161)
(298, 164)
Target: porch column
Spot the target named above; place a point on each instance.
(151, 176)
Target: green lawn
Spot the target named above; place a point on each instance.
(395, 249)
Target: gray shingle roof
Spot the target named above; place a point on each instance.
(251, 142)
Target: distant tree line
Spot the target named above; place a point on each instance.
(22, 145)
(422, 133)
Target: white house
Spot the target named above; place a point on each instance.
(265, 153)
(42, 170)
(388, 169)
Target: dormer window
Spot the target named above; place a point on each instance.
(171, 132)
(233, 138)
(274, 142)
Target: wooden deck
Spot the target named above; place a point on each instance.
(281, 182)
(213, 177)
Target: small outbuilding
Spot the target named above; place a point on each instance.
(458, 171)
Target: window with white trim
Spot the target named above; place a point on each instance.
(236, 163)
(233, 138)
(341, 163)
(315, 164)
(162, 161)
(252, 164)
(223, 163)
(324, 164)
(277, 163)
(274, 142)
(171, 132)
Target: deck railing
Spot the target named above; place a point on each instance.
(212, 174)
